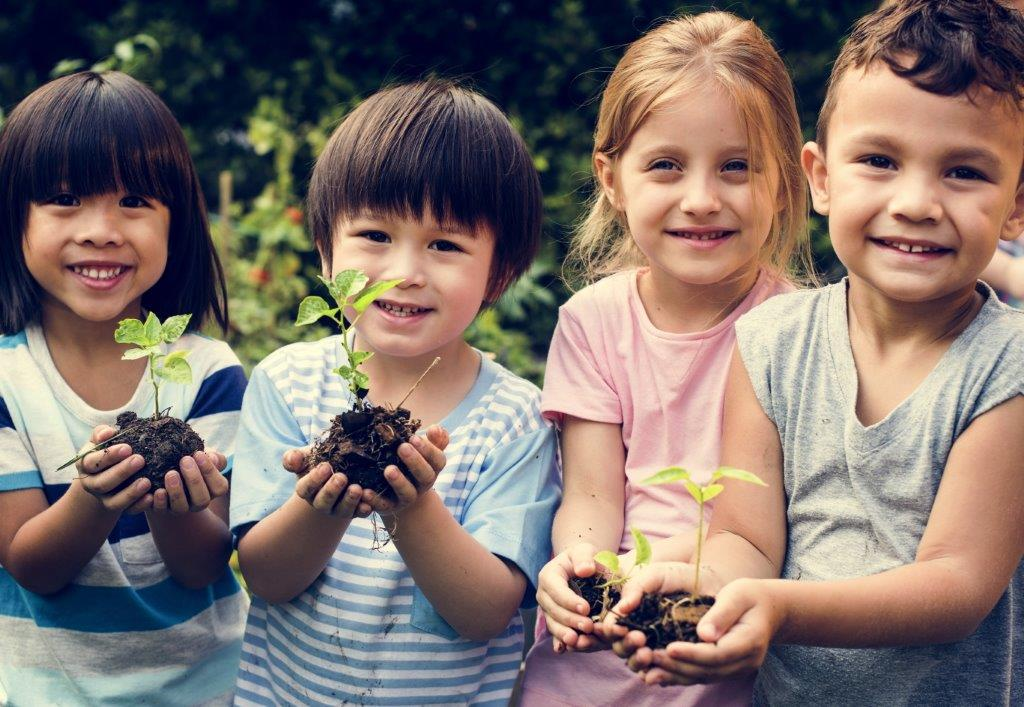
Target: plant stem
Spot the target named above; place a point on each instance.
(156, 386)
(436, 361)
(700, 542)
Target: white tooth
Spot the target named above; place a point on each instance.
(91, 272)
(916, 249)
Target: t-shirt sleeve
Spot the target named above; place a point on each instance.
(1006, 380)
(512, 505)
(574, 383)
(215, 410)
(751, 331)
(18, 468)
(266, 430)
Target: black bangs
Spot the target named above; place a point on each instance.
(99, 135)
(432, 147)
(89, 134)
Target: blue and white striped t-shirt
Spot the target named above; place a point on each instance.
(362, 632)
(123, 632)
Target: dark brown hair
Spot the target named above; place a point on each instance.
(951, 45)
(95, 133)
(438, 146)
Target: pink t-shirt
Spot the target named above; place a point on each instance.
(608, 363)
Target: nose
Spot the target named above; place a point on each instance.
(405, 264)
(915, 198)
(100, 226)
(700, 196)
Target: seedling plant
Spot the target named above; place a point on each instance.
(160, 439)
(674, 617)
(601, 591)
(361, 442)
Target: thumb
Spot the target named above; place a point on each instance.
(729, 607)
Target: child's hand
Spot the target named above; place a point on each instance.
(566, 613)
(425, 459)
(735, 635)
(321, 488)
(102, 472)
(199, 475)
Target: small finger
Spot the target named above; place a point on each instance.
(327, 497)
(557, 645)
(420, 469)
(129, 496)
(112, 477)
(143, 504)
(438, 436)
(95, 462)
(404, 489)
(198, 494)
(433, 456)
(294, 460)
(218, 460)
(364, 510)
(177, 502)
(309, 485)
(160, 501)
(349, 502)
(216, 483)
(101, 433)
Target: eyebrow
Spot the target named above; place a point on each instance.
(452, 229)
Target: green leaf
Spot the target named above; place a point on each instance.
(732, 473)
(344, 371)
(367, 296)
(151, 330)
(132, 354)
(643, 547)
(608, 559)
(346, 284)
(311, 309)
(360, 379)
(665, 476)
(175, 369)
(130, 331)
(174, 327)
(711, 491)
(694, 490)
(359, 357)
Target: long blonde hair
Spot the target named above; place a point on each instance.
(682, 55)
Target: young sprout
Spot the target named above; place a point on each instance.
(349, 291)
(701, 494)
(610, 561)
(147, 337)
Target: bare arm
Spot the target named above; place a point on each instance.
(1006, 274)
(44, 547)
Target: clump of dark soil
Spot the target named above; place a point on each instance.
(599, 595)
(364, 441)
(161, 440)
(665, 618)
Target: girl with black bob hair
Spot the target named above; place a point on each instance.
(103, 220)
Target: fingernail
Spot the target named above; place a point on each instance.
(136, 461)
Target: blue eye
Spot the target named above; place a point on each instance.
(374, 236)
(662, 165)
(734, 166)
(445, 246)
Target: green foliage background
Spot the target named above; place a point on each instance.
(258, 85)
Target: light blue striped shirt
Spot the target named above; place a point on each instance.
(123, 632)
(363, 632)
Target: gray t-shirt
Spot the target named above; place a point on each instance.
(858, 498)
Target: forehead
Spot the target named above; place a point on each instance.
(873, 102)
(706, 115)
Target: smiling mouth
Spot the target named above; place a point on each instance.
(98, 273)
(908, 248)
(707, 236)
(401, 310)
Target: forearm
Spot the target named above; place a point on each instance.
(194, 546)
(476, 592)
(285, 552)
(51, 548)
(587, 518)
(927, 602)
(731, 556)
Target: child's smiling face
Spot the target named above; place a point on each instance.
(918, 187)
(696, 207)
(444, 277)
(96, 256)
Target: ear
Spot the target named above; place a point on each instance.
(1013, 227)
(812, 159)
(606, 178)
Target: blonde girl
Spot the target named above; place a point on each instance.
(698, 212)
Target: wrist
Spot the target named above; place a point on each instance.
(424, 503)
(770, 593)
(86, 502)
